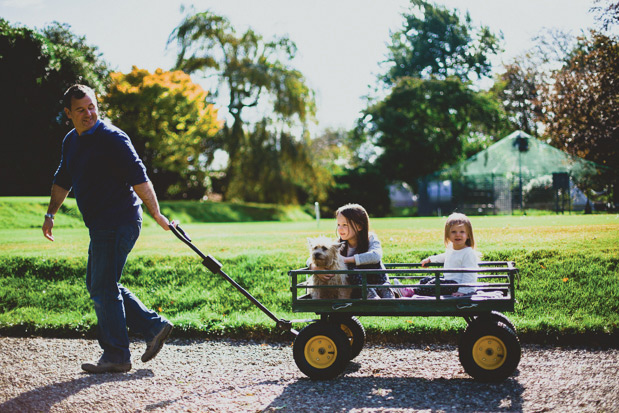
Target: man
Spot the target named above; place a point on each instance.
(110, 183)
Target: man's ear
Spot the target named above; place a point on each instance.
(68, 113)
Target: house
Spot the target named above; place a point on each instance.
(517, 172)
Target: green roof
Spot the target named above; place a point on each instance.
(521, 150)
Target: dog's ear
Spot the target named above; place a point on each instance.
(340, 245)
(309, 241)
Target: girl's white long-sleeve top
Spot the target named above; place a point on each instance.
(465, 258)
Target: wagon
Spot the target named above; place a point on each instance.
(489, 349)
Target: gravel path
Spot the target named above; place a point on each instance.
(43, 375)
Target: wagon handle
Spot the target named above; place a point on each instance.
(181, 231)
(216, 268)
(182, 235)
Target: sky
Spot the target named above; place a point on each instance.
(340, 42)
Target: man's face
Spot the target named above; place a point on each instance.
(83, 113)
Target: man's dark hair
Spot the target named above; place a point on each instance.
(77, 92)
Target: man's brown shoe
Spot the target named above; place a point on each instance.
(103, 366)
(153, 346)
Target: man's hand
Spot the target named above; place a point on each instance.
(146, 192)
(162, 221)
(48, 224)
(59, 194)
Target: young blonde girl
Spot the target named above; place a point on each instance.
(460, 252)
(362, 248)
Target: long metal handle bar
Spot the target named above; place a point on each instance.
(215, 267)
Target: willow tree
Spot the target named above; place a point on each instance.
(253, 72)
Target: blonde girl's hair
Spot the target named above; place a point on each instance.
(459, 219)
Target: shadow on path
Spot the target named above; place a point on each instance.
(386, 393)
(43, 398)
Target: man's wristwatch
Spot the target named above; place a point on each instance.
(49, 216)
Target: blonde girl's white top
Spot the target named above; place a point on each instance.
(465, 258)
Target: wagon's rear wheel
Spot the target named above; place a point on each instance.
(321, 351)
(355, 333)
(489, 351)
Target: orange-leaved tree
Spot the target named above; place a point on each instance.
(171, 125)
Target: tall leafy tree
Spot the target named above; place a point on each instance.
(424, 125)
(250, 69)
(171, 125)
(438, 42)
(36, 67)
(433, 115)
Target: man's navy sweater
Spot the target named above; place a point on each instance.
(102, 166)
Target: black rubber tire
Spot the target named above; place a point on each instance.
(496, 317)
(489, 351)
(352, 327)
(321, 351)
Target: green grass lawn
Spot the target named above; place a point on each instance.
(569, 284)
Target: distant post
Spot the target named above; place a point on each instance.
(317, 210)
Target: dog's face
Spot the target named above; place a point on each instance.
(324, 251)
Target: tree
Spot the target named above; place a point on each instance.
(252, 70)
(608, 14)
(517, 88)
(436, 42)
(425, 125)
(171, 126)
(580, 111)
(433, 115)
(365, 185)
(278, 168)
(36, 68)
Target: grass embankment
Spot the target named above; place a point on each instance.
(568, 290)
(27, 212)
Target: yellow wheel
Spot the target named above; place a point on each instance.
(489, 352)
(355, 332)
(321, 350)
(496, 316)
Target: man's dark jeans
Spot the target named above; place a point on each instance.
(116, 307)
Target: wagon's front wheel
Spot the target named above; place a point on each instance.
(489, 351)
(321, 351)
(352, 327)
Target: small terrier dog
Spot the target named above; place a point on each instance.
(325, 255)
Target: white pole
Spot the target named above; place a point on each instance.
(317, 210)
